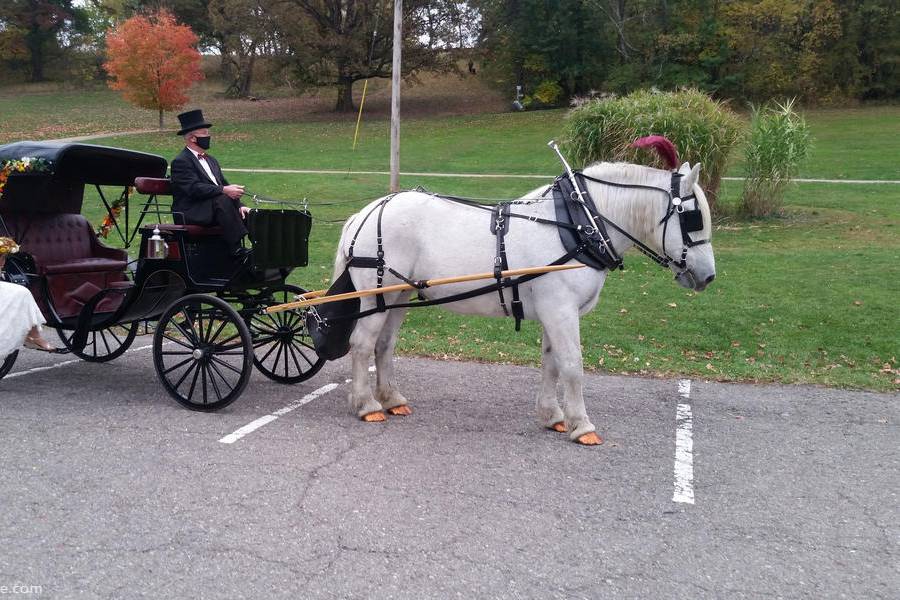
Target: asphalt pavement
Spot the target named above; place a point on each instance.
(110, 489)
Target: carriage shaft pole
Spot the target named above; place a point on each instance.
(400, 287)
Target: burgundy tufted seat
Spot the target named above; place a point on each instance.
(67, 251)
(64, 243)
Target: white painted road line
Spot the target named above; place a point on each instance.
(684, 447)
(62, 364)
(254, 425)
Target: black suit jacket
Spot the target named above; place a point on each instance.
(192, 191)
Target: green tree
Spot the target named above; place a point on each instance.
(241, 27)
(527, 42)
(339, 42)
(37, 25)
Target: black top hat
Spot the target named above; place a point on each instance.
(191, 120)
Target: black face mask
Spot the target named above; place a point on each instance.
(203, 142)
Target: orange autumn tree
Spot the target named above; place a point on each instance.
(153, 61)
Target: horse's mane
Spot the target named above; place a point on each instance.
(641, 215)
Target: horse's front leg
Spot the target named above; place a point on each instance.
(362, 344)
(386, 390)
(549, 413)
(562, 333)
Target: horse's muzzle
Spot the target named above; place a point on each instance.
(690, 280)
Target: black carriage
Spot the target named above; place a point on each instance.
(204, 307)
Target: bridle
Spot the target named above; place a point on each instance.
(689, 220)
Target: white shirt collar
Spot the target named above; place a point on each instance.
(205, 164)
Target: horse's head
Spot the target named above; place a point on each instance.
(688, 231)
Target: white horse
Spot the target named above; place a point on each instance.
(428, 237)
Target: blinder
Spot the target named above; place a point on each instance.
(689, 221)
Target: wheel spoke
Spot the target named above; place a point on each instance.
(179, 342)
(218, 331)
(212, 380)
(226, 347)
(203, 369)
(200, 325)
(271, 350)
(260, 342)
(181, 364)
(225, 364)
(175, 353)
(263, 324)
(307, 346)
(105, 343)
(214, 368)
(277, 357)
(306, 358)
(294, 358)
(190, 337)
(194, 337)
(184, 376)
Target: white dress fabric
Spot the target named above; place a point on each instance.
(18, 314)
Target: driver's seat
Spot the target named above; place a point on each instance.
(162, 186)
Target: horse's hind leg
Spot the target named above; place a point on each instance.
(386, 390)
(362, 344)
(548, 411)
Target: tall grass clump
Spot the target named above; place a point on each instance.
(702, 129)
(779, 142)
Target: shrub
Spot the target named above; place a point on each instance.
(779, 141)
(702, 129)
(548, 92)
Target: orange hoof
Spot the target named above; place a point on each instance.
(374, 417)
(590, 439)
(400, 411)
(559, 426)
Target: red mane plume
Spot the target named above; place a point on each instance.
(663, 147)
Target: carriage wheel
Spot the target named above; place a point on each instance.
(282, 348)
(102, 345)
(8, 363)
(203, 352)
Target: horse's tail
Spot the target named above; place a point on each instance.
(340, 258)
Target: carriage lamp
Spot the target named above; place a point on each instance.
(157, 248)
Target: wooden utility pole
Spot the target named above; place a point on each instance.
(395, 96)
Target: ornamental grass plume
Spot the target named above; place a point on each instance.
(779, 142)
(704, 130)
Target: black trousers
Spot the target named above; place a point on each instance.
(227, 215)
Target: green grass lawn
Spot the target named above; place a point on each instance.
(807, 298)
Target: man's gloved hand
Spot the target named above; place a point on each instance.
(245, 210)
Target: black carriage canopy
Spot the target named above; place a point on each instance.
(70, 166)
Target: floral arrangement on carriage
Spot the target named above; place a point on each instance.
(24, 165)
(115, 209)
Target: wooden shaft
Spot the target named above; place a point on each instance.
(322, 299)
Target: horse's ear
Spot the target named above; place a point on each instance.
(685, 168)
(693, 176)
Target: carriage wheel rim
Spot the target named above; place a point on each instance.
(202, 362)
(283, 349)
